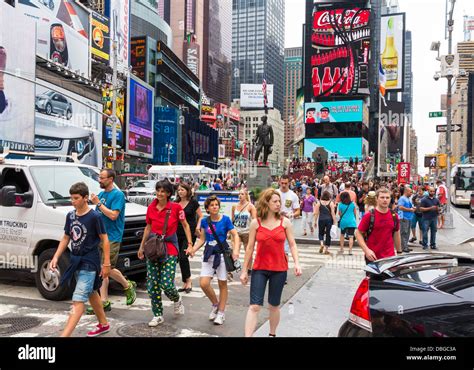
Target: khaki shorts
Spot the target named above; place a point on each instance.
(114, 253)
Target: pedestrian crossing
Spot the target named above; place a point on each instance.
(20, 300)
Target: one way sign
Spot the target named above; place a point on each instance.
(444, 128)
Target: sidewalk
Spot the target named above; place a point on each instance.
(320, 307)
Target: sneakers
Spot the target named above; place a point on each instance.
(230, 277)
(99, 330)
(179, 307)
(131, 293)
(107, 308)
(157, 320)
(435, 248)
(412, 240)
(213, 314)
(220, 318)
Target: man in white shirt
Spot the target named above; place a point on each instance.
(290, 203)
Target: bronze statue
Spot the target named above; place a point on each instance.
(264, 140)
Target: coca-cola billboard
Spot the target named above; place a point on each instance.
(340, 52)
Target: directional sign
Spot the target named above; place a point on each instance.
(437, 114)
(444, 128)
(431, 161)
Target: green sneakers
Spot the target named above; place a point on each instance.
(131, 293)
(107, 308)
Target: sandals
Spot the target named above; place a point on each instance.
(321, 250)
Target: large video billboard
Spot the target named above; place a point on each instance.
(334, 112)
(16, 95)
(251, 96)
(166, 135)
(62, 32)
(138, 57)
(299, 129)
(140, 109)
(343, 148)
(391, 134)
(66, 123)
(392, 46)
(337, 62)
(119, 12)
(200, 143)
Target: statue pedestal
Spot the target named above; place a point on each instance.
(262, 180)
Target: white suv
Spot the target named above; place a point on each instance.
(34, 202)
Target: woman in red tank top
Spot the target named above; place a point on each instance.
(270, 230)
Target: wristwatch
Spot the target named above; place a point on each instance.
(99, 205)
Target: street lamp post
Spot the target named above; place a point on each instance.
(449, 224)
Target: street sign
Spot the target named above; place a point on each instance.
(444, 128)
(106, 98)
(437, 114)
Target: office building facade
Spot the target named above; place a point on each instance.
(258, 36)
(293, 81)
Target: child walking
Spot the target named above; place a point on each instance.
(85, 229)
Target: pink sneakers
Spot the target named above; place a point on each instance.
(99, 330)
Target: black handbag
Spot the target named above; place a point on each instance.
(155, 247)
(226, 251)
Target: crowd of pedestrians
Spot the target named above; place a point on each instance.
(378, 215)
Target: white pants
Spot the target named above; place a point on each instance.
(308, 220)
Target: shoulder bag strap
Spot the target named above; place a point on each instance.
(211, 226)
(345, 211)
(371, 223)
(238, 215)
(165, 227)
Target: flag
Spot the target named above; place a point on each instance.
(265, 96)
(382, 82)
(382, 79)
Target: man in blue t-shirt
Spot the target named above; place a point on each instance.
(406, 213)
(430, 206)
(111, 205)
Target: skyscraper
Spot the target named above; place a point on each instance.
(293, 81)
(258, 36)
(202, 39)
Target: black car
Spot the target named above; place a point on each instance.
(417, 295)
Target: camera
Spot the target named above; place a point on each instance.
(437, 76)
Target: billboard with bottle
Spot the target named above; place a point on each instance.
(392, 46)
(338, 60)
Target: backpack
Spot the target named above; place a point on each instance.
(372, 223)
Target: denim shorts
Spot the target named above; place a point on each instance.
(258, 284)
(84, 286)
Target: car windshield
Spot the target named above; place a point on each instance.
(54, 182)
(145, 184)
(49, 93)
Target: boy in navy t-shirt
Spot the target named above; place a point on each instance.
(85, 229)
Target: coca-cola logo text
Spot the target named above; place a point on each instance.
(329, 18)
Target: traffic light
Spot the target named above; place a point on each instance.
(442, 160)
(431, 161)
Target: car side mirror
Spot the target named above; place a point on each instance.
(10, 198)
(7, 196)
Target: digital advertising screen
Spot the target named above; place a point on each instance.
(334, 112)
(166, 135)
(140, 118)
(338, 54)
(344, 148)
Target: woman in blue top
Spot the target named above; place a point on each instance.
(347, 220)
(211, 265)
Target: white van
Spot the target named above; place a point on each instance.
(34, 202)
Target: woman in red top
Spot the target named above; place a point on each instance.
(269, 230)
(160, 274)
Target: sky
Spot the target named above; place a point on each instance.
(426, 20)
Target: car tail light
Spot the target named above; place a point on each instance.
(360, 309)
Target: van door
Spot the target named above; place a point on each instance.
(16, 223)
